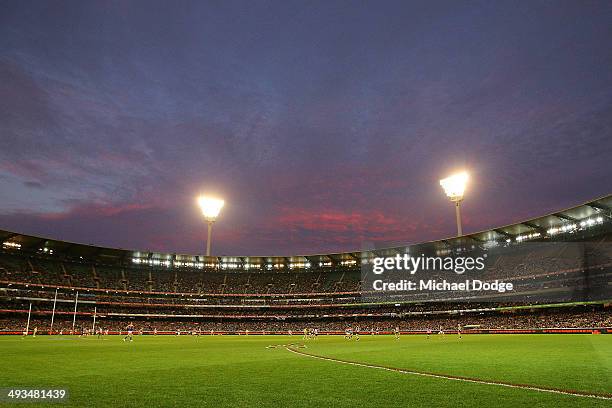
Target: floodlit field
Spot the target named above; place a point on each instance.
(243, 371)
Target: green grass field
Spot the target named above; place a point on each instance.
(242, 371)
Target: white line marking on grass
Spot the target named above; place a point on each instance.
(464, 379)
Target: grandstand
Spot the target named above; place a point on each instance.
(560, 264)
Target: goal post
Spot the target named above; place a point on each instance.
(28, 323)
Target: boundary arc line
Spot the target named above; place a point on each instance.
(457, 378)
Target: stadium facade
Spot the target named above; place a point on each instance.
(560, 265)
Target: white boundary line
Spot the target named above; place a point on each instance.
(475, 381)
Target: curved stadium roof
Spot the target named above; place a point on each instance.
(535, 228)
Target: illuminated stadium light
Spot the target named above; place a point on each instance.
(13, 245)
(454, 188)
(589, 222)
(562, 229)
(151, 262)
(524, 237)
(299, 265)
(275, 266)
(251, 266)
(348, 263)
(229, 266)
(211, 207)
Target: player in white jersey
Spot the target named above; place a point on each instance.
(348, 334)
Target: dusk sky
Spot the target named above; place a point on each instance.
(324, 125)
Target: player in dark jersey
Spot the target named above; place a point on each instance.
(130, 332)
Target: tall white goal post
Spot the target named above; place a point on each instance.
(53, 313)
(28, 323)
(76, 302)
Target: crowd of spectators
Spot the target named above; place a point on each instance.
(46, 271)
(325, 298)
(575, 318)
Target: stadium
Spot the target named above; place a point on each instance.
(315, 317)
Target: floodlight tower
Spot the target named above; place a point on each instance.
(210, 209)
(454, 187)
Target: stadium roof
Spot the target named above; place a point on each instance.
(535, 228)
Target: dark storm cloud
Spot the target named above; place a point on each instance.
(326, 126)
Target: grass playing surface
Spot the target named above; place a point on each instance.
(239, 371)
